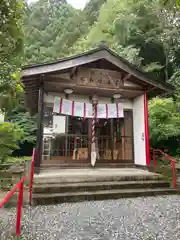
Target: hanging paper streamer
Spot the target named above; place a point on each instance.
(88, 110)
(101, 111)
(78, 109)
(119, 110)
(112, 111)
(115, 110)
(66, 107)
(57, 101)
(84, 110)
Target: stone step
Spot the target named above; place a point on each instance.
(94, 178)
(49, 198)
(45, 167)
(94, 186)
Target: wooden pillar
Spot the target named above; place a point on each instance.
(112, 137)
(39, 136)
(112, 133)
(89, 137)
(66, 136)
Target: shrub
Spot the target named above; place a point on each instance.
(10, 135)
(21, 159)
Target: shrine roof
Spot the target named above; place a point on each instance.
(32, 75)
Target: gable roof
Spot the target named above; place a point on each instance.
(91, 56)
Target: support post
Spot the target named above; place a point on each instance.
(31, 177)
(89, 137)
(146, 126)
(112, 138)
(19, 210)
(39, 141)
(154, 160)
(174, 174)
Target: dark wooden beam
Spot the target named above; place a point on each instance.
(29, 80)
(73, 72)
(74, 86)
(127, 77)
(30, 91)
(39, 140)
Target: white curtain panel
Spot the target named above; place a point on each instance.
(101, 111)
(66, 108)
(57, 101)
(88, 110)
(79, 109)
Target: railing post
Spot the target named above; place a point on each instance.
(174, 174)
(154, 160)
(19, 210)
(31, 177)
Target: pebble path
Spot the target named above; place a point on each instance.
(149, 218)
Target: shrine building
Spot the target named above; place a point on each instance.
(92, 110)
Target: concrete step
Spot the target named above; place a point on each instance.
(49, 198)
(94, 186)
(93, 178)
(76, 165)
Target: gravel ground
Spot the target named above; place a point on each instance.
(150, 218)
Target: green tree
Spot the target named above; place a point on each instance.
(11, 44)
(52, 28)
(46, 24)
(20, 116)
(143, 25)
(164, 119)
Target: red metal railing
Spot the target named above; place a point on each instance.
(18, 186)
(173, 166)
(31, 176)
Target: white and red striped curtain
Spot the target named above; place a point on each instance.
(79, 109)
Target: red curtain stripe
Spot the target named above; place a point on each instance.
(61, 103)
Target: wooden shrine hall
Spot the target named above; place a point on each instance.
(92, 110)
